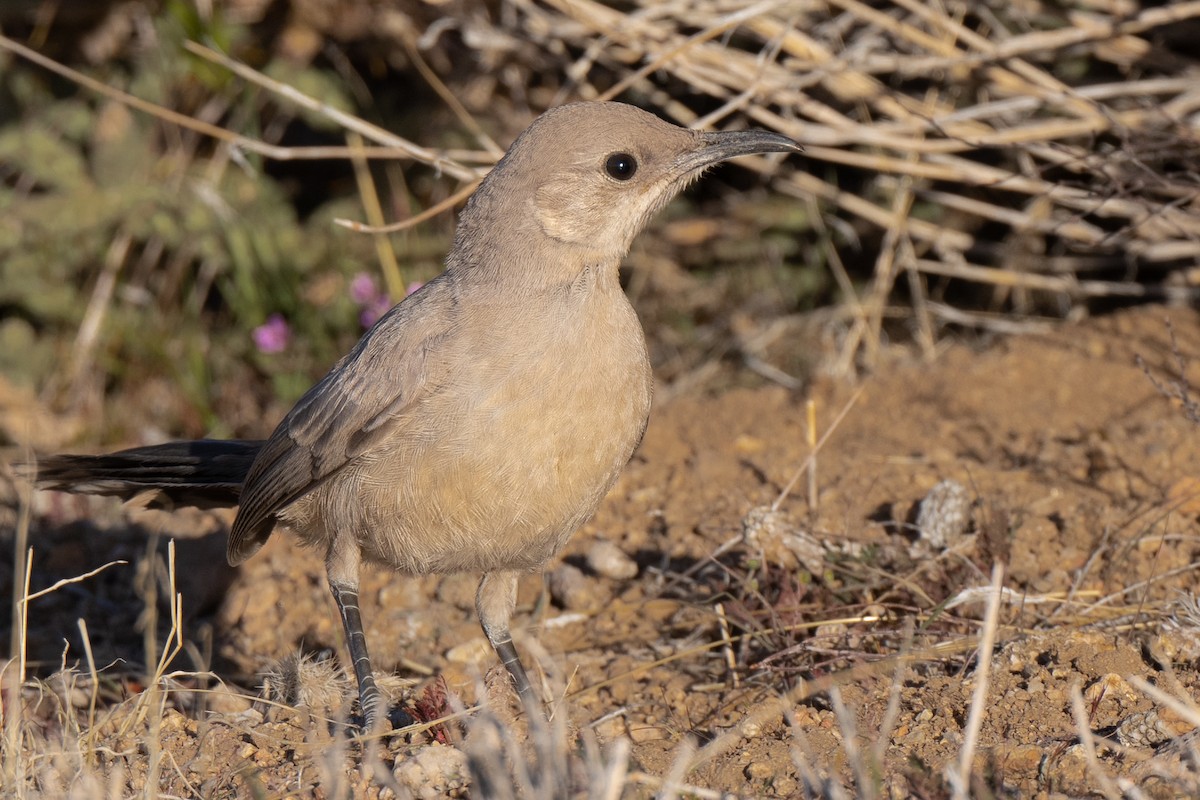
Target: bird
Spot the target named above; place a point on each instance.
(481, 420)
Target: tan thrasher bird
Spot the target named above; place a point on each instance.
(480, 421)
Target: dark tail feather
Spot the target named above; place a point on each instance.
(206, 473)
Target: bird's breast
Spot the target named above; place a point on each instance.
(518, 448)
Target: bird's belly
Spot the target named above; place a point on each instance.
(512, 471)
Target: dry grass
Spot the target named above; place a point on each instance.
(72, 737)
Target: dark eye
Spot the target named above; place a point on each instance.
(621, 166)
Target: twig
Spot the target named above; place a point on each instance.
(370, 201)
(350, 122)
(787, 488)
(429, 213)
(66, 581)
(983, 666)
(1084, 729)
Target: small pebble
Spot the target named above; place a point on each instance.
(640, 733)
(750, 729)
(222, 699)
(945, 514)
(470, 652)
(433, 771)
(605, 558)
(574, 591)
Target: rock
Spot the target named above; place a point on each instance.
(574, 591)
(606, 559)
(945, 515)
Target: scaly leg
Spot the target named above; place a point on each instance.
(495, 602)
(369, 695)
(341, 566)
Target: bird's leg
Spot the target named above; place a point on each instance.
(495, 602)
(369, 695)
(341, 564)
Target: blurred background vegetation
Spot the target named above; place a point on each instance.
(975, 167)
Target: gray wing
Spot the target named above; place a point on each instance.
(344, 415)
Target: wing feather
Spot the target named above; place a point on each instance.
(345, 415)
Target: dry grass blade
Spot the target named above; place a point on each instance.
(1087, 740)
(665, 785)
(1186, 710)
(961, 781)
(833, 426)
(398, 148)
(374, 211)
(440, 208)
(347, 121)
(64, 582)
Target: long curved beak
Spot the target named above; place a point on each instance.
(723, 145)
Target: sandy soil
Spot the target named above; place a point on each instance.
(834, 643)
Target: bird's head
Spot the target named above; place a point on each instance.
(587, 177)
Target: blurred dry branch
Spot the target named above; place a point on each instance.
(976, 163)
(1046, 154)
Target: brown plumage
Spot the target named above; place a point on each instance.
(480, 422)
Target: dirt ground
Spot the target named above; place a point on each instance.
(738, 647)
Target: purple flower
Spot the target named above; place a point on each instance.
(373, 302)
(374, 310)
(363, 289)
(273, 335)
